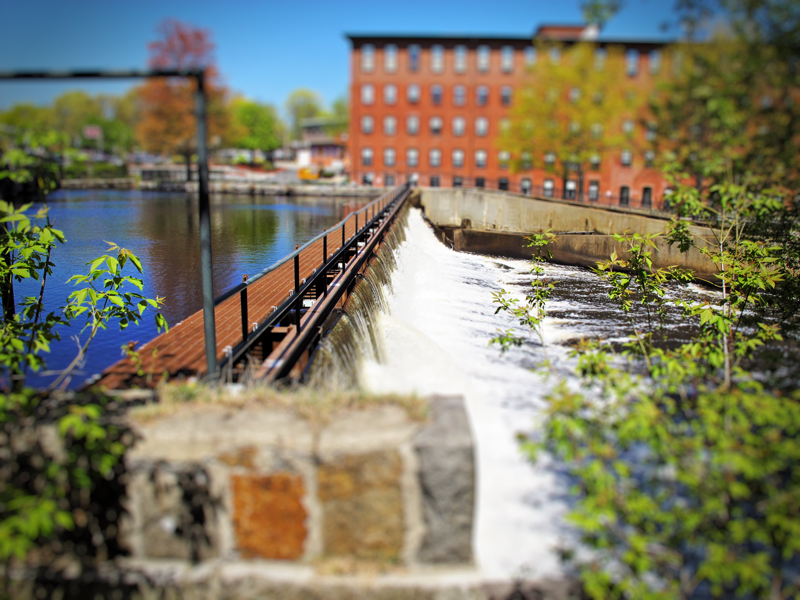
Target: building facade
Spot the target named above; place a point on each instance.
(430, 109)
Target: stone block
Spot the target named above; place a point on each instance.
(362, 505)
(445, 455)
(269, 518)
(175, 513)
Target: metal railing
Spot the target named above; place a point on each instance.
(363, 220)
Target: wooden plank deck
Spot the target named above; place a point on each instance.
(181, 350)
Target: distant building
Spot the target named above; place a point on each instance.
(429, 108)
(323, 145)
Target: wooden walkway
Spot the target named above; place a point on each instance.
(181, 350)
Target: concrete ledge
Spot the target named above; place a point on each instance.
(493, 222)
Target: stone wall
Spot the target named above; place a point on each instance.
(494, 222)
(241, 484)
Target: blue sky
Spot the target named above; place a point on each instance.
(264, 49)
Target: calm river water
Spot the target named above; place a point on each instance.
(249, 233)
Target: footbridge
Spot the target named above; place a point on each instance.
(269, 325)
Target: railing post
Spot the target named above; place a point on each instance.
(324, 262)
(297, 300)
(356, 223)
(243, 298)
(343, 226)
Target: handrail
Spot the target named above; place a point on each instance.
(393, 193)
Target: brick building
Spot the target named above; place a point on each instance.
(430, 107)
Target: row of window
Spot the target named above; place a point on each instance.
(481, 156)
(414, 94)
(435, 124)
(459, 126)
(483, 58)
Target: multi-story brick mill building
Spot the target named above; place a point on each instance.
(430, 108)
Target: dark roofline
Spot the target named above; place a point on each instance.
(390, 37)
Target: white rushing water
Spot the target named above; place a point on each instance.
(436, 336)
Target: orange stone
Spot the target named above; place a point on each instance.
(268, 515)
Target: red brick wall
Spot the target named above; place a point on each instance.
(611, 176)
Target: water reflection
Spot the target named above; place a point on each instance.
(248, 234)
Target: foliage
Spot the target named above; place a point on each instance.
(302, 104)
(167, 124)
(685, 466)
(570, 105)
(531, 313)
(257, 125)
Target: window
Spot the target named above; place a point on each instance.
(482, 126)
(507, 59)
(503, 158)
(547, 189)
(600, 56)
(549, 158)
(574, 127)
(366, 157)
(367, 94)
(480, 182)
(459, 126)
(390, 58)
(480, 158)
(667, 198)
(597, 98)
(413, 57)
(412, 125)
(435, 125)
(624, 195)
(570, 190)
(597, 131)
(458, 158)
(484, 55)
(458, 182)
(388, 157)
(555, 54)
(647, 197)
(506, 94)
(481, 95)
(627, 158)
(389, 181)
(437, 58)
(459, 95)
(594, 191)
(435, 157)
(367, 179)
(650, 132)
(649, 159)
(655, 61)
(574, 94)
(390, 94)
(367, 58)
(367, 124)
(460, 59)
(434, 181)
(412, 157)
(436, 94)
(389, 125)
(627, 126)
(413, 93)
(504, 125)
(632, 62)
(525, 186)
(530, 56)
(502, 184)
(594, 161)
(526, 162)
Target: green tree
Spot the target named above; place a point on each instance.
(302, 104)
(256, 125)
(569, 112)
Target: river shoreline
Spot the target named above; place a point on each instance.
(222, 187)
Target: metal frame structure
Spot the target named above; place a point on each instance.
(202, 164)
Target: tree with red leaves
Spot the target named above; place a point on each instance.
(167, 124)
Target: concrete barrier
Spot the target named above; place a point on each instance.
(494, 222)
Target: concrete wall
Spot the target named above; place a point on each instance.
(492, 222)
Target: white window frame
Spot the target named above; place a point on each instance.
(436, 121)
(367, 58)
(389, 125)
(434, 157)
(507, 59)
(367, 157)
(484, 58)
(367, 94)
(412, 120)
(437, 58)
(459, 126)
(458, 157)
(412, 157)
(460, 53)
(370, 122)
(389, 157)
(481, 126)
(413, 93)
(390, 58)
(390, 94)
(481, 159)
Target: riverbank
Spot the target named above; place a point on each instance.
(222, 187)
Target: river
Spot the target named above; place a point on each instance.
(249, 233)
